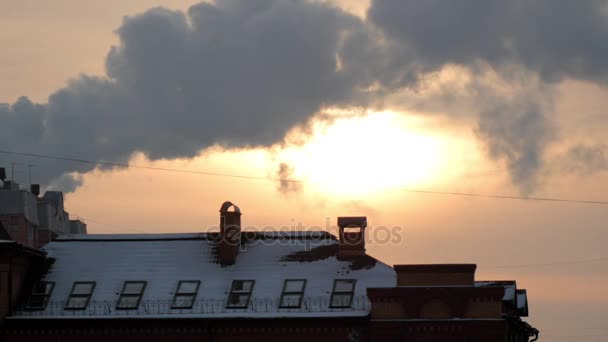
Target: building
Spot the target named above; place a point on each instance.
(233, 285)
(30, 219)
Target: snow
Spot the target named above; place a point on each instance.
(509, 285)
(164, 259)
(522, 300)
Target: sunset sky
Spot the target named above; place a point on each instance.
(352, 104)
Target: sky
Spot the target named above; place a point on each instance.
(302, 111)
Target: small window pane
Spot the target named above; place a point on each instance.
(128, 302)
(291, 300)
(341, 300)
(43, 288)
(41, 292)
(183, 301)
(242, 286)
(37, 302)
(238, 300)
(344, 285)
(294, 285)
(77, 303)
(82, 288)
(133, 287)
(188, 287)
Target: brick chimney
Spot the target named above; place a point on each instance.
(352, 237)
(230, 233)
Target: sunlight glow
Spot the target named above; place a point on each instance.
(367, 154)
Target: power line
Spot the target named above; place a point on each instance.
(545, 199)
(553, 263)
(218, 174)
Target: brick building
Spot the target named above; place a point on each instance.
(30, 219)
(234, 285)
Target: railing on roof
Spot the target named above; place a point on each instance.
(203, 307)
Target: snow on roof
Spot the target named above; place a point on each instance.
(522, 300)
(509, 285)
(164, 259)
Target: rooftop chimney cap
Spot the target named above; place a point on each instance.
(226, 207)
(352, 221)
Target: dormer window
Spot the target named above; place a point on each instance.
(80, 295)
(293, 292)
(131, 294)
(342, 294)
(240, 294)
(185, 295)
(41, 292)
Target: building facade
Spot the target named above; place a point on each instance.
(32, 220)
(234, 285)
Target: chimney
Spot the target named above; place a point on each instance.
(352, 237)
(230, 233)
(2, 174)
(35, 189)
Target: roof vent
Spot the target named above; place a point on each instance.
(230, 233)
(352, 237)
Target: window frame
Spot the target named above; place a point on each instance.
(192, 295)
(131, 295)
(334, 292)
(46, 296)
(288, 293)
(74, 295)
(229, 305)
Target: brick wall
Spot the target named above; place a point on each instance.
(20, 230)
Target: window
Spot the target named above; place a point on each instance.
(342, 294)
(185, 294)
(41, 292)
(293, 292)
(80, 295)
(131, 294)
(240, 293)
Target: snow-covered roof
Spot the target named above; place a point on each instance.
(162, 260)
(509, 285)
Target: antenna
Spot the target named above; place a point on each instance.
(13, 169)
(30, 166)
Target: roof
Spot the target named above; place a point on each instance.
(164, 259)
(509, 285)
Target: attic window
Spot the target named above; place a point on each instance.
(80, 295)
(185, 294)
(240, 294)
(41, 292)
(131, 294)
(293, 292)
(342, 294)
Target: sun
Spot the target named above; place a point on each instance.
(366, 154)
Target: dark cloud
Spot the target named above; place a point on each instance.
(287, 184)
(556, 38)
(553, 39)
(237, 73)
(242, 73)
(517, 132)
(585, 159)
